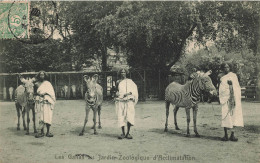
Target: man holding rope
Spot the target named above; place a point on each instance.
(230, 100)
(125, 101)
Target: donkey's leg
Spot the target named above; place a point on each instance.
(85, 122)
(188, 121)
(23, 116)
(95, 120)
(167, 105)
(99, 113)
(18, 115)
(28, 118)
(175, 110)
(33, 114)
(195, 110)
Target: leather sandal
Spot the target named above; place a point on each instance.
(49, 135)
(39, 135)
(225, 138)
(233, 138)
(129, 136)
(122, 136)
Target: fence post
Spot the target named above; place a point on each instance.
(69, 88)
(17, 81)
(82, 86)
(144, 98)
(159, 91)
(106, 84)
(55, 86)
(4, 90)
(50, 78)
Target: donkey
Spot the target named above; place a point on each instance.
(187, 96)
(24, 102)
(94, 99)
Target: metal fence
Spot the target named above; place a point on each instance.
(70, 85)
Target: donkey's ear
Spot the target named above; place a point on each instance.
(23, 80)
(95, 77)
(86, 78)
(208, 73)
(32, 80)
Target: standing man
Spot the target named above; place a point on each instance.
(126, 99)
(44, 105)
(230, 100)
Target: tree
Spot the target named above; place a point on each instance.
(17, 56)
(80, 19)
(243, 63)
(148, 31)
(155, 34)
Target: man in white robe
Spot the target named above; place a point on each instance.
(44, 104)
(230, 100)
(127, 97)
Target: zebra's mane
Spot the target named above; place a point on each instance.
(187, 85)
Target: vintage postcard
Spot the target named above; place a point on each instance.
(129, 81)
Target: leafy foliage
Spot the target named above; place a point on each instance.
(242, 63)
(154, 35)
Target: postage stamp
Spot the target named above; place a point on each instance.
(30, 22)
(43, 21)
(14, 20)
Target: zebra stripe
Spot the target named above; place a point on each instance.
(187, 95)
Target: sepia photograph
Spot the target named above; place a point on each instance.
(129, 81)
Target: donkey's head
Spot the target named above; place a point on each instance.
(29, 88)
(91, 94)
(205, 83)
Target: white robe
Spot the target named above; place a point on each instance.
(235, 116)
(44, 105)
(125, 108)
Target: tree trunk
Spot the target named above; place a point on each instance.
(104, 59)
(257, 62)
(164, 82)
(104, 68)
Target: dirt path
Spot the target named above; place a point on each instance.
(150, 143)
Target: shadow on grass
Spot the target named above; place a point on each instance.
(114, 136)
(20, 132)
(78, 130)
(37, 143)
(181, 134)
(89, 131)
(252, 129)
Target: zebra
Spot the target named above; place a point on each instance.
(94, 99)
(187, 96)
(24, 102)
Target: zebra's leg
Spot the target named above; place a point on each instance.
(195, 110)
(95, 120)
(18, 115)
(85, 122)
(188, 121)
(167, 105)
(23, 115)
(99, 113)
(27, 108)
(175, 110)
(33, 114)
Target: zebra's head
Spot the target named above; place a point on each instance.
(205, 84)
(91, 94)
(29, 88)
